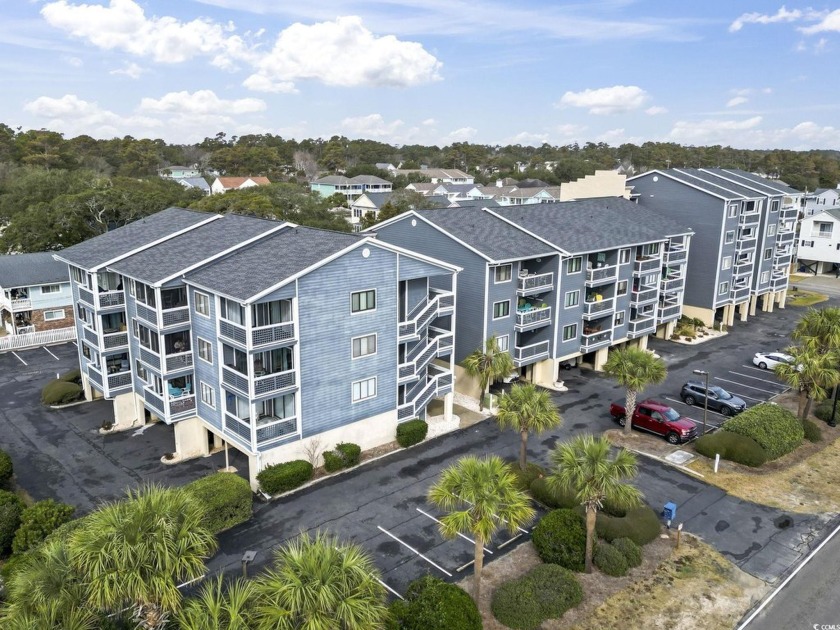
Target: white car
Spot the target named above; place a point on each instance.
(769, 360)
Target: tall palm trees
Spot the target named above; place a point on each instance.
(527, 409)
(480, 497)
(585, 467)
(634, 369)
(488, 364)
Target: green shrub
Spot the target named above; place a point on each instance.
(350, 452)
(60, 393)
(432, 604)
(560, 538)
(73, 376)
(641, 525)
(284, 477)
(412, 432)
(732, 446)
(227, 499)
(542, 492)
(333, 461)
(6, 468)
(11, 508)
(524, 478)
(38, 521)
(610, 561)
(823, 411)
(777, 430)
(630, 550)
(812, 432)
(545, 592)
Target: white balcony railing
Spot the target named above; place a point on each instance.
(533, 318)
(647, 265)
(530, 353)
(110, 299)
(598, 308)
(643, 295)
(641, 325)
(601, 275)
(591, 341)
(668, 312)
(535, 283)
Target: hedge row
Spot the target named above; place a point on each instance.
(545, 592)
(432, 604)
(284, 477)
(777, 430)
(226, 497)
(412, 432)
(732, 446)
(61, 393)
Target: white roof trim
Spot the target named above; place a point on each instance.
(416, 256)
(741, 195)
(680, 181)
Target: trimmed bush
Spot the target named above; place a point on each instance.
(732, 446)
(39, 521)
(823, 411)
(543, 493)
(344, 455)
(11, 508)
(412, 432)
(227, 499)
(73, 376)
(610, 560)
(6, 468)
(560, 538)
(284, 477)
(60, 393)
(432, 604)
(545, 592)
(777, 430)
(630, 550)
(641, 525)
(812, 432)
(333, 461)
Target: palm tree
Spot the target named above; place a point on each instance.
(634, 369)
(480, 497)
(488, 365)
(812, 372)
(319, 583)
(820, 327)
(220, 607)
(585, 467)
(527, 409)
(135, 552)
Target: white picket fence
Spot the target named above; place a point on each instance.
(40, 338)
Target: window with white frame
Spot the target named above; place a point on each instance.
(768, 253)
(205, 350)
(822, 229)
(733, 210)
(574, 265)
(202, 304)
(362, 301)
(569, 332)
(502, 273)
(651, 249)
(621, 287)
(142, 372)
(51, 316)
(774, 205)
(723, 288)
(619, 318)
(727, 262)
(208, 394)
(623, 256)
(765, 277)
(232, 311)
(362, 390)
(730, 237)
(364, 346)
(79, 276)
(501, 309)
(51, 288)
(572, 299)
(503, 343)
(771, 229)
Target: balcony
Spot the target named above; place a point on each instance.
(148, 315)
(439, 303)
(439, 382)
(86, 297)
(785, 238)
(598, 308)
(646, 265)
(232, 332)
(668, 312)
(118, 380)
(674, 256)
(523, 355)
(740, 293)
(779, 283)
(175, 316)
(641, 325)
(673, 284)
(749, 219)
(601, 275)
(110, 299)
(149, 357)
(90, 336)
(535, 283)
(178, 361)
(17, 304)
(181, 405)
(271, 429)
(114, 340)
(789, 213)
(643, 295)
(274, 383)
(595, 340)
(742, 268)
(533, 318)
(746, 243)
(273, 334)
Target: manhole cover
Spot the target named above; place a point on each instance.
(679, 457)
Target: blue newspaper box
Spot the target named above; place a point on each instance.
(669, 512)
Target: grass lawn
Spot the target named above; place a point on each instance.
(805, 298)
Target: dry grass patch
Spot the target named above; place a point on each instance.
(805, 298)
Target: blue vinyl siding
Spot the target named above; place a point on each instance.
(415, 291)
(283, 293)
(209, 374)
(572, 315)
(501, 292)
(411, 268)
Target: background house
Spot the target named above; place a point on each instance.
(819, 242)
(223, 184)
(34, 293)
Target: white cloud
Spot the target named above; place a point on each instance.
(609, 100)
(74, 115)
(201, 102)
(737, 100)
(459, 135)
(703, 131)
(73, 61)
(344, 53)
(829, 23)
(371, 126)
(656, 110)
(429, 122)
(131, 70)
(782, 15)
(526, 138)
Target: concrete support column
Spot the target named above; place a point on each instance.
(86, 388)
(769, 298)
(782, 298)
(729, 314)
(601, 356)
(643, 343)
(218, 442)
(127, 411)
(448, 402)
(753, 304)
(743, 307)
(670, 328)
(190, 439)
(253, 470)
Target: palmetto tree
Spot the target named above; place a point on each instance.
(527, 409)
(220, 607)
(634, 369)
(819, 327)
(585, 467)
(488, 364)
(319, 583)
(135, 552)
(812, 372)
(480, 497)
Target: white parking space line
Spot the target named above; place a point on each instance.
(766, 391)
(757, 369)
(468, 539)
(410, 548)
(774, 382)
(51, 354)
(390, 590)
(18, 358)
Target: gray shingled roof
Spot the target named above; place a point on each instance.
(181, 252)
(717, 180)
(193, 182)
(592, 224)
(491, 236)
(477, 203)
(27, 270)
(693, 181)
(378, 199)
(835, 212)
(106, 247)
(271, 260)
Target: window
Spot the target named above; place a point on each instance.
(765, 277)
(362, 390)
(51, 316)
(51, 288)
(363, 346)
(574, 265)
(502, 273)
(205, 350)
(208, 395)
(623, 256)
(771, 229)
(145, 294)
(148, 339)
(768, 253)
(621, 288)
(619, 318)
(733, 210)
(807, 243)
(142, 372)
(774, 205)
(363, 301)
(727, 262)
(822, 229)
(202, 304)
(79, 276)
(357, 213)
(572, 299)
(569, 332)
(131, 288)
(501, 309)
(730, 237)
(651, 249)
(503, 343)
(723, 288)
(232, 311)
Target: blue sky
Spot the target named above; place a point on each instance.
(746, 74)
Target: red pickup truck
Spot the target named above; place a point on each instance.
(657, 418)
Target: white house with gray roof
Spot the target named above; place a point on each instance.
(820, 200)
(34, 294)
(819, 242)
(261, 334)
(350, 187)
